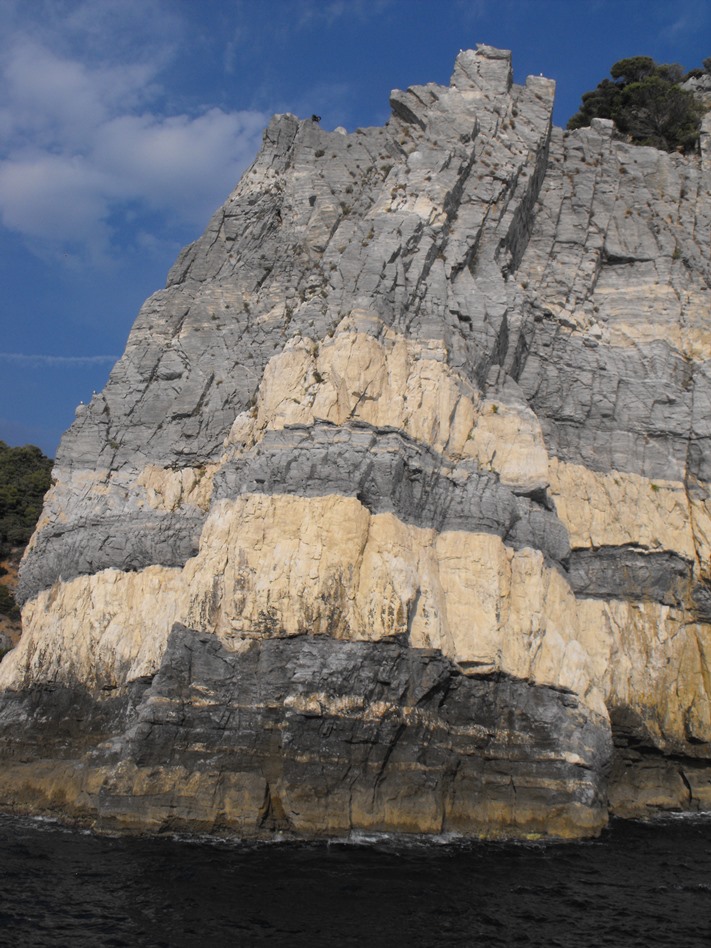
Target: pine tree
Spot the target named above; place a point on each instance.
(647, 104)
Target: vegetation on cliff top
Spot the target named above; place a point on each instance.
(25, 476)
(647, 103)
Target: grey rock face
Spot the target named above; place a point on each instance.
(616, 241)
(612, 409)
(625, 573)
(539, 237)
(344, 733)
(389, 472)
(564, 281)
(74, 549)
(321, 224)
(315, 737)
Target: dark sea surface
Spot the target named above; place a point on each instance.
(642, 884)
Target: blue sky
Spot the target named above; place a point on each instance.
(125, 123)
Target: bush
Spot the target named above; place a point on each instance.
(647, 104)
(25, 477)
(8, 606)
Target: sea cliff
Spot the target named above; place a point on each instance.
(394, 515)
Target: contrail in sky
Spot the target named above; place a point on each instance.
(40, 360)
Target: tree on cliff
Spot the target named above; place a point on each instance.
(647, 103)
(25, 476)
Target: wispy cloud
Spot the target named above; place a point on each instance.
(35, 360)
(684, 19)
(681, 25)
(86, 133)
(329, 11)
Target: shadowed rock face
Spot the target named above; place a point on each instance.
(315, 737)
(426, 403)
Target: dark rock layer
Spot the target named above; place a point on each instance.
(313, 736)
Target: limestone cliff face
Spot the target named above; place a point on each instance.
(395, 513)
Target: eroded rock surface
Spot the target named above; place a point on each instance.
(395, 513)
(310, 736)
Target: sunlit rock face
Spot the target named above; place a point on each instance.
(394, 515)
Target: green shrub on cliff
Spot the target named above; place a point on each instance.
(25, 476)
(8, 606)
(647, 104)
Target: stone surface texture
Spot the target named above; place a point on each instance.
(395, 513)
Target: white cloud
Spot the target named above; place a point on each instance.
(177, 162)
(681, 25)
(332, 10)
(85, 136)
(58, 99)
(53, 197)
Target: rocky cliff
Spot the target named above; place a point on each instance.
(395, 513)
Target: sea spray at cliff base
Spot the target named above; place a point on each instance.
(394, 515)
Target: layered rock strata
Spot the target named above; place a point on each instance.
(395, 513)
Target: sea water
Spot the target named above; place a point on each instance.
(641, 884)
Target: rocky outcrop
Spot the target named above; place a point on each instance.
(310, 736)
(395, 513)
